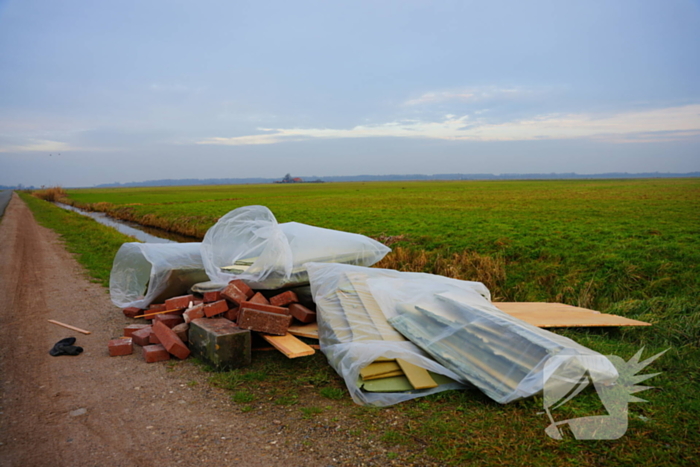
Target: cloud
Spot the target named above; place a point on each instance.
(467, 95)
(39, 146)
(669, 124)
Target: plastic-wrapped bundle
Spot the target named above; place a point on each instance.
(145, 273)
(503, 356)
(249, 244)
(354, 333)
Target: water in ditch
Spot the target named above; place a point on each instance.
(140, 232)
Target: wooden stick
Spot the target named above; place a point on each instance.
(69, 326)
(158, 313)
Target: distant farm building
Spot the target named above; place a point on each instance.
(289, 179)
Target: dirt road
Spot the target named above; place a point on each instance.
(93, 410)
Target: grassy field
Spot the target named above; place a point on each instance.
(628, 247)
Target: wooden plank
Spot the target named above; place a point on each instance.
(391, 374)
(159, 312)
(519, 307)
(378, 368)
(304, 330)
(419, 377)
(372, 308)
(289, 345)
(58, 323)
(554, 315)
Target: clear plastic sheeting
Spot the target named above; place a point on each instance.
(354, 333)
(249, 244)
(145, 273)
(503, 356)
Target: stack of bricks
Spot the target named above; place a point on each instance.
(245, 309)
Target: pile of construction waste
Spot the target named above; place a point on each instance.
(392, 336)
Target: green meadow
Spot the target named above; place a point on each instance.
(592, 243)
(629, 247)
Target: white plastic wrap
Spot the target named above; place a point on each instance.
(249, 244)
(503, 356)
(353, 331)
(145, 273)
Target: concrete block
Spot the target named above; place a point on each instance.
(302, 313)
(262, 321)
(118, 347)
(170, 341)
(216, 308)
(284, 299)
(155, 353)
(220, 343)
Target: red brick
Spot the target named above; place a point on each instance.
(170, 341)
(261, 321)
(183, 301)
(142, 337)
(157, 308)
(232, 314)
(119, 347)
(212, 296)
(284, 298)
(268, 308)
(259, 298)
(302, 313)
(132, 311)
(193, 313)
(181, 331)
(197, 301)
(153, 339)
(132, 328)
(243, 287)
(155, 353)
(216, 308)
(170, 320)
(234, 295)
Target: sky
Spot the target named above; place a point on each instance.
(124, 91)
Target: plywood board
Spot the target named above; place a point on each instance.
(304, 330)
(419, 377)
(289, 345)
(558, 315)
(379, 368)
(397, 383)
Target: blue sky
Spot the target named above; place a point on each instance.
(141, 90)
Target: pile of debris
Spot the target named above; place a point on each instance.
(215, 326)
(392, 336)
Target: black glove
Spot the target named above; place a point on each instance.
(66, 347)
